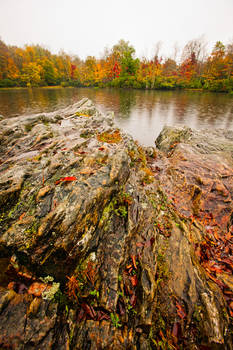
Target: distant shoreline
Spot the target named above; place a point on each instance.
(57, 87)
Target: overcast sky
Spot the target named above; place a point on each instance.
(86, 27)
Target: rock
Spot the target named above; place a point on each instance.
(105, 244)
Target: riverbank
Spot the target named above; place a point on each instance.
(111, 244)
(66, 86)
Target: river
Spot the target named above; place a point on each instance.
(141, 113)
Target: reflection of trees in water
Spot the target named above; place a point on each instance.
(149, 107)
(127, 100)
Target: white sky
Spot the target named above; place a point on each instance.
(86, 27)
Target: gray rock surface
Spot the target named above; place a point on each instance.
(107, 245)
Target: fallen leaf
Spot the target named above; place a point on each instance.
(22, 216)
(66, 179)
(180, 310)
(37, 288)
(134, 280)
(133, 257)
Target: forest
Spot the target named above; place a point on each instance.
(34, 66)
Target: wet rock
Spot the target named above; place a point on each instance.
(107, 245)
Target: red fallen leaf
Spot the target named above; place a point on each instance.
(37, 288)
(66, 179)
(89, 310)
(22, 216)
(101, 148)
(231, 313)
(134, 280)
(133, 300)
(180, 311)
(133, 257)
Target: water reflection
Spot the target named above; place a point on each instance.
(141, 113)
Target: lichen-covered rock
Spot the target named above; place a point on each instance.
(106, 245)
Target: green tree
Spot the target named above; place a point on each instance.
(49, 72)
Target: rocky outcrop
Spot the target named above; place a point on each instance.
(108, 245)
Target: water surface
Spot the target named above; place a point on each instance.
(141, 113)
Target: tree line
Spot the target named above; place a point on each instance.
(34, 65)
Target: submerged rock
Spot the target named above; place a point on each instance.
(107, 245)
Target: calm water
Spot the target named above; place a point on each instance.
(141, 113)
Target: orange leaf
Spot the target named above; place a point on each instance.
(134, 280)
(180, 311)
(22, 216)
(133, 257)
(37, 288)
(228, 236)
